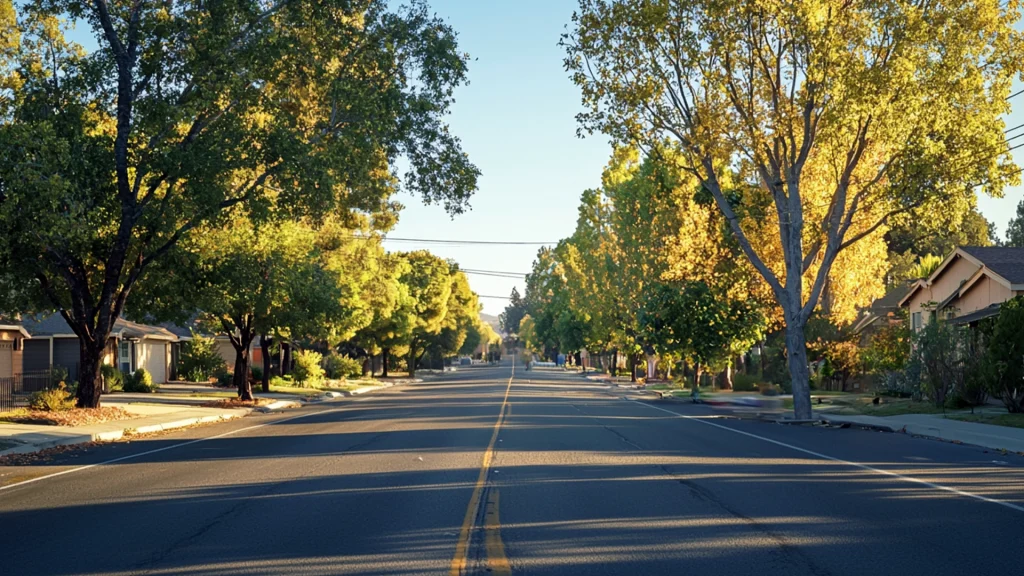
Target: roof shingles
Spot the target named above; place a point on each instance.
(1006, 261)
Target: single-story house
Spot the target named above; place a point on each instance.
(12, 346)
(969, 285)
(222, 344)
(881, 313)
(131, 346)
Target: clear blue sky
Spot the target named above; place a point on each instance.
(517, 121)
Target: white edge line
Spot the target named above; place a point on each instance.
(846, 462)
(165, 448)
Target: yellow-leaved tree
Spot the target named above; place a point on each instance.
(810, 121)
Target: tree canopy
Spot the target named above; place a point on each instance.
(810, 124)
(111, 157)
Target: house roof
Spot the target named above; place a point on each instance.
(987, 312)
(1001, 263)
(15, 328)
(1005, 261)
(55, 325)
(881, 307)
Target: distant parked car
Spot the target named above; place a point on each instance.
(465, 361)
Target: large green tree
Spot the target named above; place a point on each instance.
(461, 316)
(430, 288)
(246, 280)
(700, 325)
(513, 313)
(108, 159)
(809, 123)
(1015, 228)
(393, 311)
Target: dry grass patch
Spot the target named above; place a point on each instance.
(238, 403)
(73, 417)
(1011, 420)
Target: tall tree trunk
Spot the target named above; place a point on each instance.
(615, 363)
(725, 380)
(368, 366)
(412, 361)
(696, 375)
(760, 348)
(796, 350)
(286, 363)
(632, 367)
(241, 376)
(265, 351)
(90, 387)
(385, 354)
(241, 336)
(652, 366)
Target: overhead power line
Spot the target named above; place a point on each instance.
(493, 273)
(498, 297)
(467, 242)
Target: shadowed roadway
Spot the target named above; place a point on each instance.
(580, 480)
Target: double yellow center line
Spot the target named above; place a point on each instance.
(499, 565)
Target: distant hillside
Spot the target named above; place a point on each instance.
(492, 320)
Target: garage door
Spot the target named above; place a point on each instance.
(37, 355)
(66, 354)
(6, 359)
(156, 362)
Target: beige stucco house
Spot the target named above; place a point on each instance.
(969, 285)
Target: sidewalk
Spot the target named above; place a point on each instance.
(936, 426)
(171, 407)
(151, 418)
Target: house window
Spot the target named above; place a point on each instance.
(915, 321)
(124, 356)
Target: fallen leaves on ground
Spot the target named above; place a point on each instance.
(43, 457)
(74, 417)
(238, 403)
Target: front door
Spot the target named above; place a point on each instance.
(124, 356)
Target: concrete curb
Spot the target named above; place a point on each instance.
(279, 405)
(864, 425)
(112, 435)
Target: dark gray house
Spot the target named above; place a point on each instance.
(131, 346)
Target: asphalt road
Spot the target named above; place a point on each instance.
(549, 475)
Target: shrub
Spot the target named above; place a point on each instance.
(199, 358)
(905, 383)
(257, 373)
(285, 381)
(338, 366)
(1002, 365)
(196, 375)
(58, 399)
(889, 349)
(745, 382)
(140, 382)
(945, 356)
(112, 377)
(308, 371)
(223, 376)
(59, 374)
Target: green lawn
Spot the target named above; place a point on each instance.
(861, 404)
(230, 394)
(293, 390)
(1012, 420)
